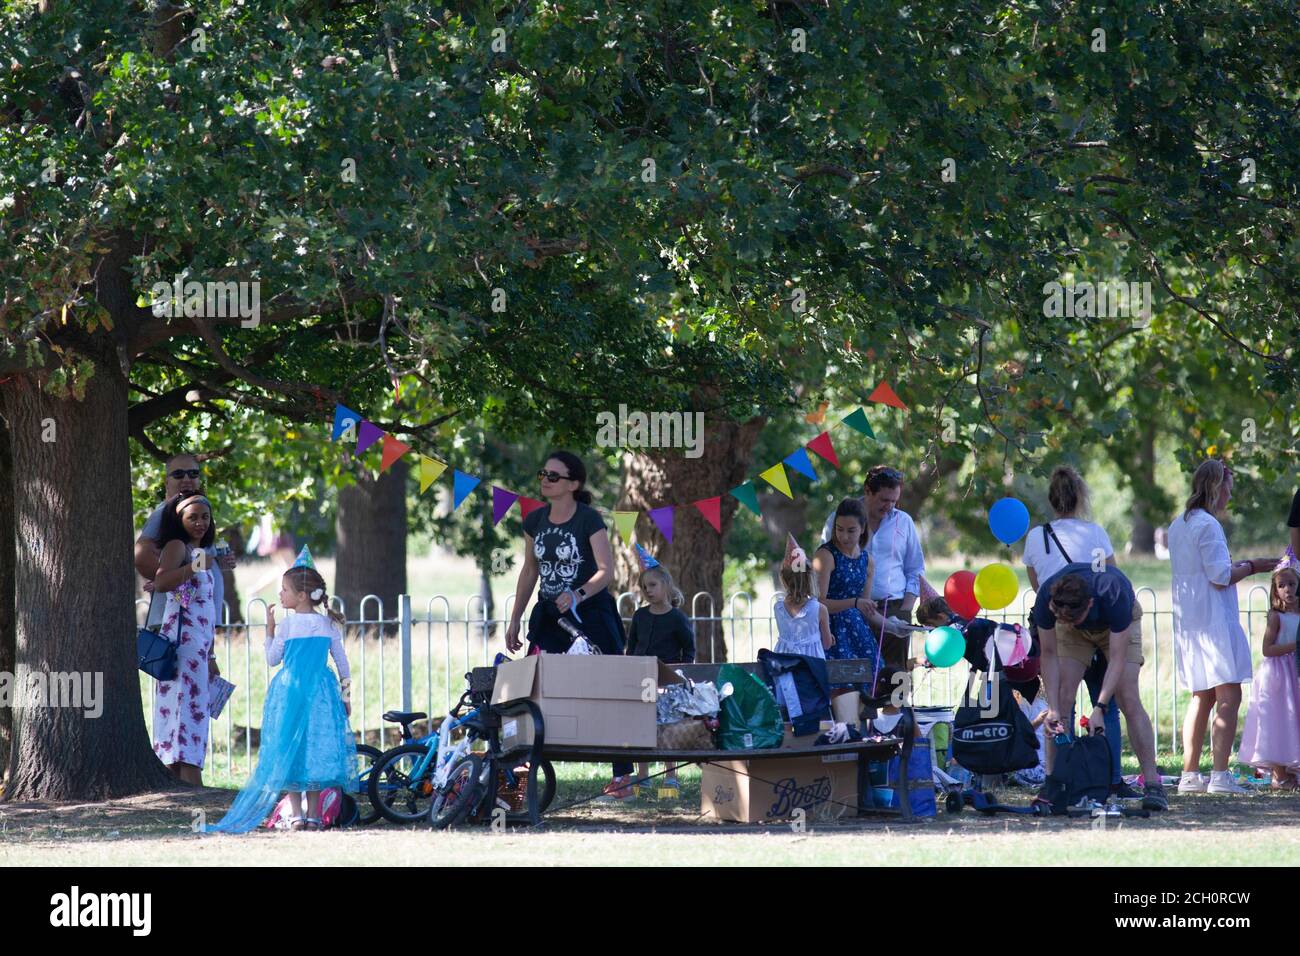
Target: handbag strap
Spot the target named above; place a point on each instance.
(1047, 529)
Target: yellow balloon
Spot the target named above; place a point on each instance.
(995, 587)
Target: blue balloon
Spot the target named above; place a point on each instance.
(1008, 520)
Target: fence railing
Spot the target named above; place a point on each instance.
(408, 661)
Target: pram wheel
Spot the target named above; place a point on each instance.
(953, 802)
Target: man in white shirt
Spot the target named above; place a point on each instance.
(895, 550)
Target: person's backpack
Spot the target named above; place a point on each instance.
(1082, 771)
(991, 741)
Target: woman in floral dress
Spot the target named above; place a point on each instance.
(843, 570)
(180, 710)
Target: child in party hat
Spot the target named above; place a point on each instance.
(660, 629)
(307, 743)
(803, 624)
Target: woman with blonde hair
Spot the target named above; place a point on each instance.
(1213, 650)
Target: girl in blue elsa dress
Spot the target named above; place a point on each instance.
(307, 743)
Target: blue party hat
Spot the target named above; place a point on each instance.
(304, 559)
(646, 558)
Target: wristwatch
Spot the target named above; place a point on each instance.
(582, 594)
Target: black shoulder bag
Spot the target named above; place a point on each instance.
(997, 742)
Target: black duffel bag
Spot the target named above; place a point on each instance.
(1081, 771)
(998, 742)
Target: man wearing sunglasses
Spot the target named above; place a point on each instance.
(182, 474)
(895, 550)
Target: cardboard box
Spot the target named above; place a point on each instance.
(593, 701)
(807, 740)
(748, 791)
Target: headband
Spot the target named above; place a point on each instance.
(182, 505)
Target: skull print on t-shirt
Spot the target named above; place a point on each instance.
(565, 560)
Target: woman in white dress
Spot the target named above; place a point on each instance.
(180, 710)
(1213, 650)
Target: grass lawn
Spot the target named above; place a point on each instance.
(1258, 829)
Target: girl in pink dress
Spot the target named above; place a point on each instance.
(1270, 738)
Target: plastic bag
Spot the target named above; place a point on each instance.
(749, 717)
(679, 701)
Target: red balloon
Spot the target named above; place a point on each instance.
(959, 592)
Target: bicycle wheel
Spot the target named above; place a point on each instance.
(453, 803)
(367, 809)
(545, 774)
(393, 791)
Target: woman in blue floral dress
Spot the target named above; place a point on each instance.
(844, 573)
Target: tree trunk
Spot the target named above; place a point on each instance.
(1142, 537)
(371, 528)
(782, 516)
(695, 557)
(73, 595)
(8, 634)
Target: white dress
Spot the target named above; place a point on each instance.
(1212, 646)
(800, 633)
(180, 708)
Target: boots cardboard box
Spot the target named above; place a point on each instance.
(749, 791)
(593, 701)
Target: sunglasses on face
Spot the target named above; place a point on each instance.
(180, 473)
(545, 475)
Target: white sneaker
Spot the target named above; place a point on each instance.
(1221, 782)
(1191, 782)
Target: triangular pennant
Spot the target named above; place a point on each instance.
(798, 460)
(501, 502)
(393, 450)
(711, 508)
(367, 435)
(528, 505)
(821, 446)
(747, 495)
(344, 418)
(624, 522)
(775, 476)
(430, 470)
(857, 420)
(885, 396)
(462, 485)
(663, 519)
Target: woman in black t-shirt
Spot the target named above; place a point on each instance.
(566, 549)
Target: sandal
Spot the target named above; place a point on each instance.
(298, 823)
(313, 823)
(1289, 783)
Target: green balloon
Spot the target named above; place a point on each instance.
(944, 646)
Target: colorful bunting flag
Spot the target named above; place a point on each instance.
(345, 419)
(367, 436)
(798, 460)
(528, 505)
(857, 420)
(462, 485)
(393, 450)
(885, 396)
(624, 522)
(821, 446)
(711, 508)
(430, 470)
(747, 495)
(501, 503)
(776, 477)
(663, 519)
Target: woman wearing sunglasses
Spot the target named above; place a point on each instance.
(567, 551)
